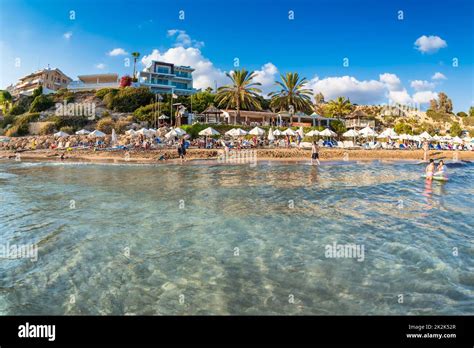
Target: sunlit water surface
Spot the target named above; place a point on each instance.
(236, 239)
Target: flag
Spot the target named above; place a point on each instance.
(175, 96)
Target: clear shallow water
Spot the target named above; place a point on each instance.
(183, 258)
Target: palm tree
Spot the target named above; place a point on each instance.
(340, 106)
(292, 93)
(135, 56)
(242, 93)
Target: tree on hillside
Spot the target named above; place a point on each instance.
(340, 107)
(319, 98)
(292, 93)
(202, 100)
(5, 99)
(135, 56)
(455, 129)
(442, 105)
(471, 111)
(241, 93)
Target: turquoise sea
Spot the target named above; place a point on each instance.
(207, 238)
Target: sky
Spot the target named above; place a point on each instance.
(371, 51)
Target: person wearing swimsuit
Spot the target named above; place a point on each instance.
(430, 170)
(315, 153)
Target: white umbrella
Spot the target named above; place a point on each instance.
(327, 133)
(209, 132)
(388, 133)
(425, 135)
(350, 133)
(97, 134)
(143, 131)
(289, 131)
(61, 134)
(82, 132)
(312, 133)
(416, 138)
(277, 132)
(180, 131)
(236, 132)
(404, 137)
(436, 137)
(257, 131)
(447, 137)
(163, 117)
(367, 132)
(270, 136)
(130, 132)
(457, 140)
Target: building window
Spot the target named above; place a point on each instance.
(163, 69)
(181, 85)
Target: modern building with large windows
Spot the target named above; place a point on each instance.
(167, 78)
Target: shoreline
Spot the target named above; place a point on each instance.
(203, 155)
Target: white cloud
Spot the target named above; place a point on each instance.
(266, 76)
(401, 97)
(67, 35)
(438, 76)
(100, 66)
(183, 39)
(205, 74)
(429, 44)
(392, 81)
(360, 92)
(424, 97)
(117, 52)
(422, 85)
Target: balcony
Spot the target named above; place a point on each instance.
(79, 85)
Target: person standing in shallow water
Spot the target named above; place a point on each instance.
(182, 149)
(315, 153)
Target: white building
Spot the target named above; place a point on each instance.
(167, 78)
(94, 82)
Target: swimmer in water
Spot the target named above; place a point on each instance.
(440, 170)
(430, 170)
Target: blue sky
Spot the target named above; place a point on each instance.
(384, 62)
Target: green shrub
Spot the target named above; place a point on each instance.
(106, 125)
(455, 129)
(41, 103)
(468, 121)
(47, 129)
(76, 122)
(67, 129)
(461, 114)
(121, 126)
(146, 113)
(8, 119)
(101, 93)
(17, 110)
(129, 99)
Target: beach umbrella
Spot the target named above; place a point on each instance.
(277, 132)
(416, 138)
(113, 139)
(425, 135)
(143, 131)
(457, 140)
(270, 136)
(82, 132)
(404, 137)
(436, 137)
(367, 132)
(327, 133)
(447, 137)
(388, 133)
(257, 131)
(131, 132)
(61, 134)
(312, 133)
(288, 131)
(350, 133)
(236, 132)
(163, 117)
(209, 131)
(97, 134)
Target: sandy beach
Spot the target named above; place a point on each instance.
(151, 156)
